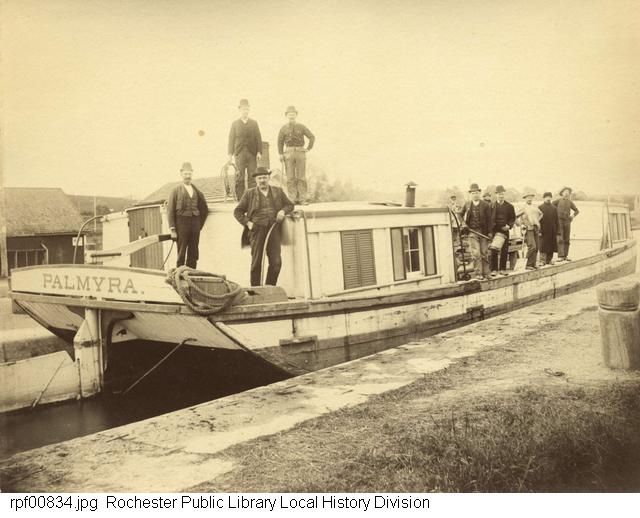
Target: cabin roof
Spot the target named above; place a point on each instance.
(213, 188)
(35, 211)
(346, 208)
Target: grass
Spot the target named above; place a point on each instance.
(553, 439)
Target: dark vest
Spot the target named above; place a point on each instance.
(191, 205)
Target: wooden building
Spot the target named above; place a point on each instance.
(42, 224)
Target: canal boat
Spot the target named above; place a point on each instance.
(357, 278)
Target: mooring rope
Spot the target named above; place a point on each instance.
(208, 304)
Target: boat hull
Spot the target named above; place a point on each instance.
(302, 336)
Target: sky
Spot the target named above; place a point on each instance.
(109, 97)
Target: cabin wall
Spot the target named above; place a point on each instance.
(327, 277)
(115, 232)
(590, 229)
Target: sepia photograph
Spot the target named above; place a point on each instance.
(291, 251)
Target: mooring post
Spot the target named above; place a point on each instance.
(620, 322)
(87, 345)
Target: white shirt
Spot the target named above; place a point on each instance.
(189, 189)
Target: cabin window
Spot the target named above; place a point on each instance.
(413, 252)
(358, 261)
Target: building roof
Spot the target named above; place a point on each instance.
(85, 203)
(37, 211)
(213, 188)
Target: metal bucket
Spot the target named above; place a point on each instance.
(498, 241)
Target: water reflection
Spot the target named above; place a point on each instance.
(190, 376)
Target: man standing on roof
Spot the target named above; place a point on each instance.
(260, 209)
(503, 217)
(294, 157)
(187, 211)
(565, 206)
(477, 215)
(549, 228)
(530, 223)
(245, 147)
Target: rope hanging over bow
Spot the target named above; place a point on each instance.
(207, 304)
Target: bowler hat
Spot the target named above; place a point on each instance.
(290, 109)
(261, 171)
(243, 102)
(499, 188)
(564, 189)
(186, 167)
(528, 193)
(474, 187)
(547, 195)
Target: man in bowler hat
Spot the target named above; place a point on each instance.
(245, 147)
(549, 228)
(260, 209)
(477, 216)
(187, 211)
(294, 157)
(503, 217)
(565, 206)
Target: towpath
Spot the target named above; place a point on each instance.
(209, 446)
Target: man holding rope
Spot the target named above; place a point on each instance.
(477, 215)
(261, 210)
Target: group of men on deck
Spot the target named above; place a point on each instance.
(261, 207)
(546, 228)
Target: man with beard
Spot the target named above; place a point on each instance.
(503, 217)
(260, 209)
(477, 216)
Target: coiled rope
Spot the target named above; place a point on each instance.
(208, 304)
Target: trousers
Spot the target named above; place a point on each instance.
(478, 247)
(502, 254)
(257, 237)
(532, 240)
(295, 162)
(188, 230)
(564, 238)
(246, 164)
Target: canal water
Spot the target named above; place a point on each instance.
(190, 376)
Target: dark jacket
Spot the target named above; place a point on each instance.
(177, 203)
(245, 135)
(485, 216)
(249, 204)
(549, 228)
(510, 216)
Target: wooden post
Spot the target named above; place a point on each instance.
(620, 322)
(4, 260)
(87, 346)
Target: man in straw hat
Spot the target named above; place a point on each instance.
(503, 217)
(530, 224)
(477, 216)
(549, 228)
(565, 206)
(186, 211)
(294, 157)
(245, 147)
(260, 210)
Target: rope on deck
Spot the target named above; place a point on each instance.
(207, 303)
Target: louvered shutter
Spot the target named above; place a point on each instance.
(358, 264)
(366, 256)
(397, 254)
(430, 266)
(350, 265)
